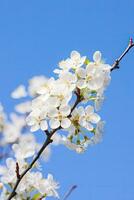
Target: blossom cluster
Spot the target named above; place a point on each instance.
(80, 80)
(20, 146)
(67, 105)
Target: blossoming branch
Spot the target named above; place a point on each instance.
(69, 102)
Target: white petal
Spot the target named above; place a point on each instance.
(65, 123)
(89, 127)
(95, 118)
(65, 110)
(75, 55)
(54, 101)
(30, 120)
(81, 84)
(10, 163)
(81, 72)
(19, 92)
(54, 123)
(44, 125)
(81, 111)
(53, 112)
(96, 83)
(82, 122)
(89, 110)
(57, 71)
(97, 56)
(34, 128)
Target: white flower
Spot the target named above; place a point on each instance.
(19, 92)
(35, 84)
(69, 79)
(59, 117)
(99, 101)
(11, 133)
(88, 117)
(23, 107)
(75, 61)
(8, 174)
(46, 87)
(26, 147)
(98, 133)
(62, 91)
(96, 76)
(48, 186)
(37, 119)
(72, 146)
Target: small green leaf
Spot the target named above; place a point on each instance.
(87, 61)
(93, 92)
(93, 131)
(36, 197)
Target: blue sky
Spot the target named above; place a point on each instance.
(34, 36)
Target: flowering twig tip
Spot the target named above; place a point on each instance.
(131, 41)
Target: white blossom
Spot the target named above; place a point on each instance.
(24, 107)
(75, 61)
(19, 92)
(36, 120)
(48, 186)
(59, 117)
(35, 83)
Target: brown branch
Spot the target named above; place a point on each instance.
(69, 192)
(117, 62)
(17, 170)
(46, 143)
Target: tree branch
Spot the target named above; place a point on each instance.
(117, 62)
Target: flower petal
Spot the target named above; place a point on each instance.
(81, 72)
(34, 128)
(97, 56)
(44, 125)
(89, 110)
(75, 55)
(65, 123)
(54, 123)
(95, 118)
(65, 110)
(89, 126)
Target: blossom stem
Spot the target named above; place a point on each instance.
(117, 62)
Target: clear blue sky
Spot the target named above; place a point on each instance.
(34, 36)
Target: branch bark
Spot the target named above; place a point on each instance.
(117, 61)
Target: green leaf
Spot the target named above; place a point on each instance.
(87, 61)
(36, 196)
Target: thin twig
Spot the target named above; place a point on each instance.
(117, 62)
(46, 143)
(69, 192)
(17, 170)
